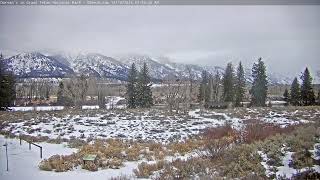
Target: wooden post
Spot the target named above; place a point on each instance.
(29, 146)
(41, 152)
(20, 140)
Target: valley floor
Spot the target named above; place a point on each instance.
(138, 131)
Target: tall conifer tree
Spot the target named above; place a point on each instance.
(131, 93)
(295, 94)
(259, 87)
(144, 93)
(240, 85)
(307, 93)
(7, 87)
(228, 84)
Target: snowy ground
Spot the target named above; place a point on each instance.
(144, 126)
(112, 125)
(286, 170)
(23, 163)
(112, 103)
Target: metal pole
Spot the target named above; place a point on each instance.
(6, 145)
(20, 140)
(7, 157)
(29, 146)
(41, 152)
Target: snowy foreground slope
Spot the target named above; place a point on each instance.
(23, 163)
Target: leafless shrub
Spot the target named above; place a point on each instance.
(217, 141)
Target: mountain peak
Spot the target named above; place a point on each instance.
(36, 64)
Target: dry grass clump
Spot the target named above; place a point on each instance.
(133, 152)
(302, 159)
(303, 138)
(186, 146)
(91, 166)
(112, 163)
(272, 147)
(187, 169)
(241, 161)
(59, 163)
(109, 155)
(155, 146)
(145, 170)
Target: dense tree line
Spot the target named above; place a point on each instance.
(229, 88)
(7, 87)
(232, 86)
(301, 95)
(139, 92)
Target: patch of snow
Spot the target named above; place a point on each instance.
(285, 170)
(90, 107)
(37, 108)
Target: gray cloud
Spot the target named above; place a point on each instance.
(287, 37)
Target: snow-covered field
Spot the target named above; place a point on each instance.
(151, 125)
(109, 125)
(143, 126)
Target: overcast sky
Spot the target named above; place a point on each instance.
(287, 37)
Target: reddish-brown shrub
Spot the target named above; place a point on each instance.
(219, 132)
(260, 131)
(217, 140)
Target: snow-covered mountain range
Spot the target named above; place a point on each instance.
(36, 64)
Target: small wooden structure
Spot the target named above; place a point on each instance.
(89, 158)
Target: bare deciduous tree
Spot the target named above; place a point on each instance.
(76, 89)
(176, 94)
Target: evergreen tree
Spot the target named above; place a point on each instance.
(228, 84)
(286, 96)
(259, 87)
(60, 94)
(131, 87)
(7, 87)
(295, 95)
(307, 94)
(240, 85)
(203, 86)
(144, 93)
